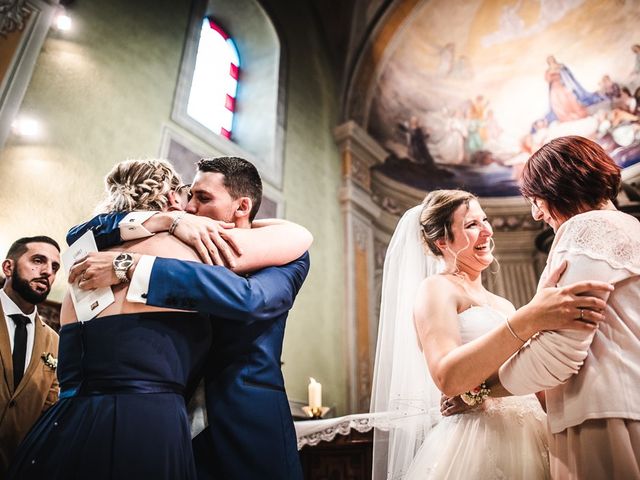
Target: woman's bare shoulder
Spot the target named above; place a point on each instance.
(161, 245)
(441, 286)
(441, 280)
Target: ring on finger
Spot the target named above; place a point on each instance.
(582, 314)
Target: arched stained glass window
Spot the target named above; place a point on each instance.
(206, 105)
(212, 97)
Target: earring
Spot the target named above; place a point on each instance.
(497, 270)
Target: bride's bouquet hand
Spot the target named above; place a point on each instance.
(578, 306)
(454, 405)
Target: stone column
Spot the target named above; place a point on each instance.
(359, 153)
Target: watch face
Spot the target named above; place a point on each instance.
(123, 261)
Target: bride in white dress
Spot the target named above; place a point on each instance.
(457, 336)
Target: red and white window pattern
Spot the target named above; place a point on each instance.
(212, 99)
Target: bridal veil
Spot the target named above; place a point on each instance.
(404, 400)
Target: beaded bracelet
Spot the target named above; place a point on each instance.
(477, 395)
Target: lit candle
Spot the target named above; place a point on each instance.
(315, 393)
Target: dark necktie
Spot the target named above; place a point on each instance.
(19, 347)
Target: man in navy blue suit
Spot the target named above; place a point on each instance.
(250, 433)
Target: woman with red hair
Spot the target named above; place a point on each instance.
(591, 378)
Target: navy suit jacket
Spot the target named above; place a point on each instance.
(250, 433)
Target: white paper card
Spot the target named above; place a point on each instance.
(88, 303)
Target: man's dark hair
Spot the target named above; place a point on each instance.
(241, 178)
(19, 247)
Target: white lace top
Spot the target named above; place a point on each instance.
(597, 374)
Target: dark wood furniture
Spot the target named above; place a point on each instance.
(347, 457)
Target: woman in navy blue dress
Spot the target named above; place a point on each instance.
(125, 374)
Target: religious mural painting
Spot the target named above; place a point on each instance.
(468, 89)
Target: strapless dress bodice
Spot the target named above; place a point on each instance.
(477, 320)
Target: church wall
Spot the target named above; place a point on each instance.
(103, 92)
(96, 104)
(314, 343)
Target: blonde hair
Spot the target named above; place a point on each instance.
(436, 217)
(139, 185)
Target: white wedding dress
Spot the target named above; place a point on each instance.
(505, 438)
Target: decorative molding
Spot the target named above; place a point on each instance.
(361, 234)
(379, 252)
(361, 246)
(392, 196)
(352, 135)
(13, 14)
(359, 153)
(356, 169)
(364, 381)
(355, 199)
(509, 223)
(31, 28)
(388, 204)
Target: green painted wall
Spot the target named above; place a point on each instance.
(102, 93)
(315, 340)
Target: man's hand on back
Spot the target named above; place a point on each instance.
(96, 270)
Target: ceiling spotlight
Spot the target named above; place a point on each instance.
(26, 127)
(63, 22)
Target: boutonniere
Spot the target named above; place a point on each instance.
(49, 360)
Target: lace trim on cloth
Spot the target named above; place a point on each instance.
(311, 432)
(603, 239)
(361, 423)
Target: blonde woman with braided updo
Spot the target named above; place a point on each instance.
(141, 185)
(126, 375)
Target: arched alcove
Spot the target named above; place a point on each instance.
(259, 116)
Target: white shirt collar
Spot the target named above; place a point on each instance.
(10, 308)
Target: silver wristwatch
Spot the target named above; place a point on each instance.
(121, 265)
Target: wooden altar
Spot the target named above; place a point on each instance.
(346, 457)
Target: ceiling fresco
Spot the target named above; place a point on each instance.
(468, 89)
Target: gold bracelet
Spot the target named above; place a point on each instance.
(173, 226)
(514, 333)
